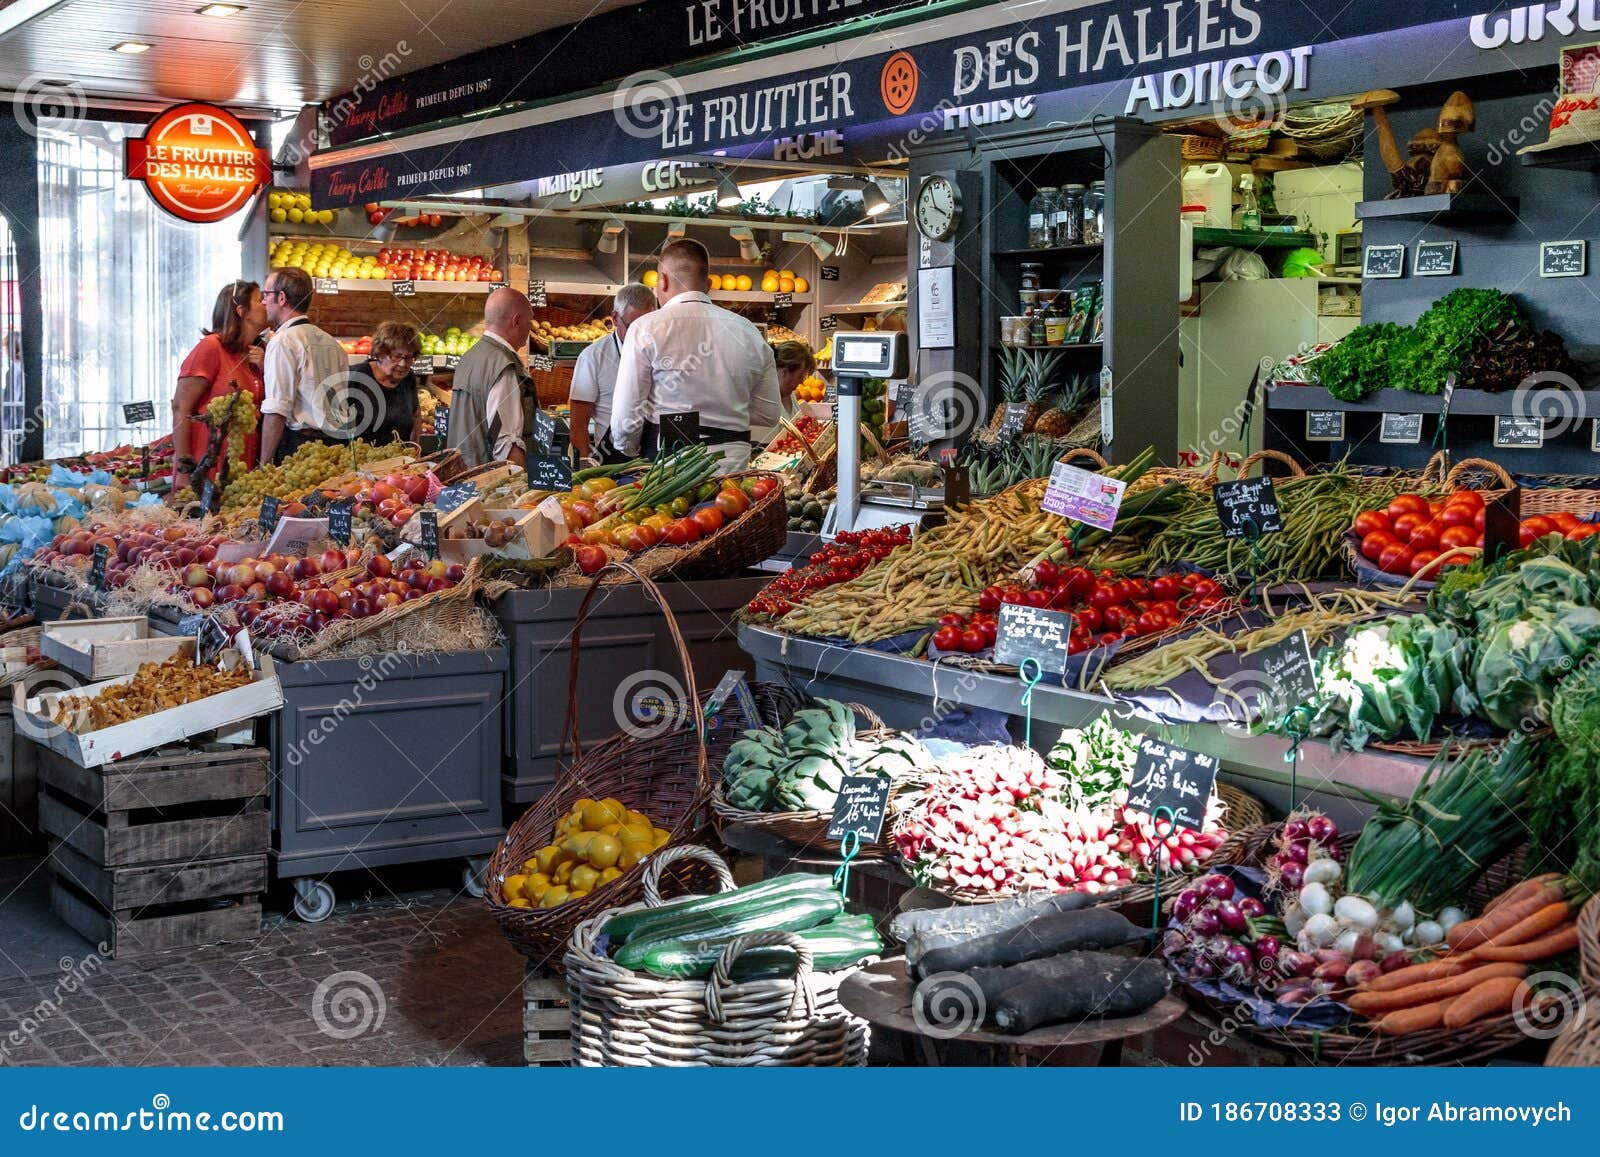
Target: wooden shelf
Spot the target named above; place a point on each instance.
(1076, 345)
(361, 285)
(864, 307)
(1446, 208)
(1580, 156)
(1253, 239)
(1465, 403)
(1059, 251)
(757, 297)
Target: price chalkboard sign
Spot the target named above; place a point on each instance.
(1324, 425)
(430, 532)
(1518, 433)
(325, 285)
(544, 429)
(441, 421)
(549, 472)
(1563, 258)
(138, 412)
(268, 518)
(1013, 421)
(97, 566)
(1290, 674)
(679, 430)
(340, 516)
(1033, 633)
(829, 323)
(542, 363)
(830, 273)
(423, 365)
(1401, 429)
(782, 300)
(862, 806)
(1384, 262)
(1436, 259)
(208, 497)
(536, 294)
(1175, 779)
(455, 497)
(451, 361)
(494, 285)
(830, 391)
(1594, 436)
(1248, 508)
(406, 288)
(210, 638)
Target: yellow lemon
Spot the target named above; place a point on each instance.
(279, 216)
(578, 845)
(618, 809)
(553, 898)
(564, 872)
(577, 893)
(598, 815)
(631, 855)
(546, 859)
(519, 902)
(636, 818)
(611, 830)
(513, 887)
(769, 284)
(535, 880)
(651, 278)
(604, 850)
(583, 877)
(610, 874)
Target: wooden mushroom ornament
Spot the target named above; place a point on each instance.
(1412, 180)
(1377, 103)
(1448, 173)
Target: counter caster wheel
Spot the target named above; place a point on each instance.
(472, 875)
(313, 900)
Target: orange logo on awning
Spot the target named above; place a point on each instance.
(198, 162)
(897, 84)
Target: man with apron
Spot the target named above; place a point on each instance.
(594, 379)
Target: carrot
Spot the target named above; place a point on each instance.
(1371, 1003)
(1490, 997)
(1520, 891)
(1563, 939)
(1417, 973)
(1461, 931)
(1502, 919)
(1409, 1020)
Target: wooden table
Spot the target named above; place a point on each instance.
(881, 993)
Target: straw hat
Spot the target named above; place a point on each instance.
(1575, 119)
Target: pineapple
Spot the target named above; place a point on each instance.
(1074, 396)
(1026, 376)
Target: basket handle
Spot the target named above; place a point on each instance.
(878, 451)
(1213, 469)
(1084, 452)
(1466, 464)
(805, 446)
(874, 720)
(571, 738)
(666, 857)
(722, 971)
(1295, 469)
(1437, 469)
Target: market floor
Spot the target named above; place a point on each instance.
(420, 976)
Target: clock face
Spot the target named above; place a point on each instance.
(938, 208)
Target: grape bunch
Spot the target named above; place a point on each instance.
(312, 464)
(239, 426)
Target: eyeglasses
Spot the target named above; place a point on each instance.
(273, 293)
(398, 359)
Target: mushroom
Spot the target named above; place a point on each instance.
(1458, 116)
(1448, 172)
(1377, 103)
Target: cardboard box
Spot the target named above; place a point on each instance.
(104, 648)
(221, 712)
(540, 531)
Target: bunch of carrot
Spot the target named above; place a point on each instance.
(1482, 971)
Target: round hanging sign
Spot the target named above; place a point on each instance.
(198, 162)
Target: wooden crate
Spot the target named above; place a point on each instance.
(546, 1020)
(144, 932)
(19, 791)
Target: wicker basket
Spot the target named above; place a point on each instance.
(662, 772)
(1579, 1042)
(626, 1018)
(826, 473)
(755, 536)
(1580, 503)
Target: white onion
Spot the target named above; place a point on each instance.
(1315, 900)
(1355, 911)
(1321, 930)
(1294, 920)
(1450, 917)
(1347, 941)
(1388, 942)
(1428, 932)
(1325, 871)
(1403, 916)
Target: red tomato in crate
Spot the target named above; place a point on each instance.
(947, 639)
(972, 640)
(1374, 544)
(1458, 535)
(1408, 522)
(1583, 530)
(1539, 525)
(1089, 618)
(709, 520)
(1424, 537)
(1469, 498)
(1422, 560)
(1458, 514)
(988, 630)
(1407, 504)
(1370, 520)
(1395, 559)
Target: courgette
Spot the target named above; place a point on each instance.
(831, 947)
(785, 914)
(695, 915)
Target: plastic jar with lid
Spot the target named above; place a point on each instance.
(1094, 214)
(1069, 216)
(1041, 218)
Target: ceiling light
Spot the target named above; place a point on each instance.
(131, 47)
(609, 232)
(873, 202)
(823, 249)
(221, 10)
(728, 194)
(746, 237)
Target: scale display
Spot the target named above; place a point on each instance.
(870, 355)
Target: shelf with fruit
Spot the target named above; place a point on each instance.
(284, 207)
(300, 473)
(744, 288)
(433, 270)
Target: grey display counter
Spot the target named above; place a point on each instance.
(911, 693)
(51, 601)
(624, 639)
(798, 548)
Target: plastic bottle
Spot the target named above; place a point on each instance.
(1249, 208)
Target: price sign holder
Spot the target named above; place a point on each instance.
(1563, 258)
(536, 293)
(782, 300)
(542, 363)
(138, 412)
(430, 533)
(1401, 429)
(406, 288)
(441, 421)
(1034, 634)
(208, 497)
(549, 472)
(1175, 779)
(828, 323)
(861, 808)
(544, 430)
(325, 285)
(1514, 433)
(1502, 524)
(455, 497)
(1013, 420)
(1384, 262)
(1084, 496)
(209, 640)
(1435, 259)
(97, 567)
(830, 273)
(733, 687)
(1248, 508)
(1292, 675)
(340, 516)
(268, 518)
(1325, 426)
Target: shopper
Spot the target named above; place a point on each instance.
(594, 378)
(383, 398)
(227, 357)
(487, 400)
(306, 372)
(692, 355)
(795, 365)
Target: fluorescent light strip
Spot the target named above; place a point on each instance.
(13, 16)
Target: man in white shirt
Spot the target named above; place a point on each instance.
(693, 355)
(594, 378)
(305, 372)
(486, 397)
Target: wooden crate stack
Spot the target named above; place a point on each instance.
(546, 1020)
(158, 851)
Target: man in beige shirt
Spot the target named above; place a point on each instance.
(486, 399)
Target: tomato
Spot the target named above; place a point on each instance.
(1564, 521)
(762, 487)
(1109, 637)
(1116, 617)
(1061, 597)
(1455, 536)
(1368, 521)
(989, 600)
(1207, 588)
(1166, 588)
(1583, 530)
(1525, 536)
(1422, 561)
(1468, 498)
(642, 538)
(1037, 598)
(1374, 544)
(679, 506)
(1477, 521)
(590, 559)
(1103, 596)
(1150, 623)
(709, 520)
(1167, 609)
(1046, 573)
(947, 639)
(1089, 618)
(1407, 504)
(1078, 644)
(972, 640)
(658, 523)
(1395, 559)
(1457, 514)
(594, 537)
(988, 631)
(952, 620)
(1538, 525)
(1406, 523)
(1425, 537)
(1078, 580)
(1435, 505)
(732, 503)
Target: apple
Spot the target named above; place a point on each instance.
(416, 579)
(455, 572)
(202, 597)
(439, 584)
(306, 568)
(184, 555)
(196, 576)
(280, 584)
(400, 517)
(438, 568)
(256, 591)
(241, 574)
(230, 593)
(414, 593)
(352, 556)
(323, 601)
(265, 570)
(360, 608)
(205, 553)
(347, 598)
(332, 560)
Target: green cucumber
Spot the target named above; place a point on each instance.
(695, 913)
(786, 914)
(831, 949)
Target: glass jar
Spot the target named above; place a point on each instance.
(1094, 214)
(1041, 218)
(1036, 326)
(1030, 275)
(1055, 323)
(1069, 216)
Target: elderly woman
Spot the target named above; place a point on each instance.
(392, 412)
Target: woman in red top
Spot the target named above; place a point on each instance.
(226, 356)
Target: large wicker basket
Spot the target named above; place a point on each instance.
(755, 536)
(660, 771)
(626, 1018)
(1579, 1040)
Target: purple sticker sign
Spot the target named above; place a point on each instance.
(1083, 495)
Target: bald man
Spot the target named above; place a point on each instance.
(694, 355)
(486, 400)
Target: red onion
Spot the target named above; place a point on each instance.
(1301, 964)
(1202, 966)
(1293, 875)
(1299, 852)
(1219, 887)
(1187, 904)
(1321, 829)
(1252, 908)
(1230, 917)
(1239, 956)
(1296, 829)
(1268, 948)
(1395, 961)
(1205, 922)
